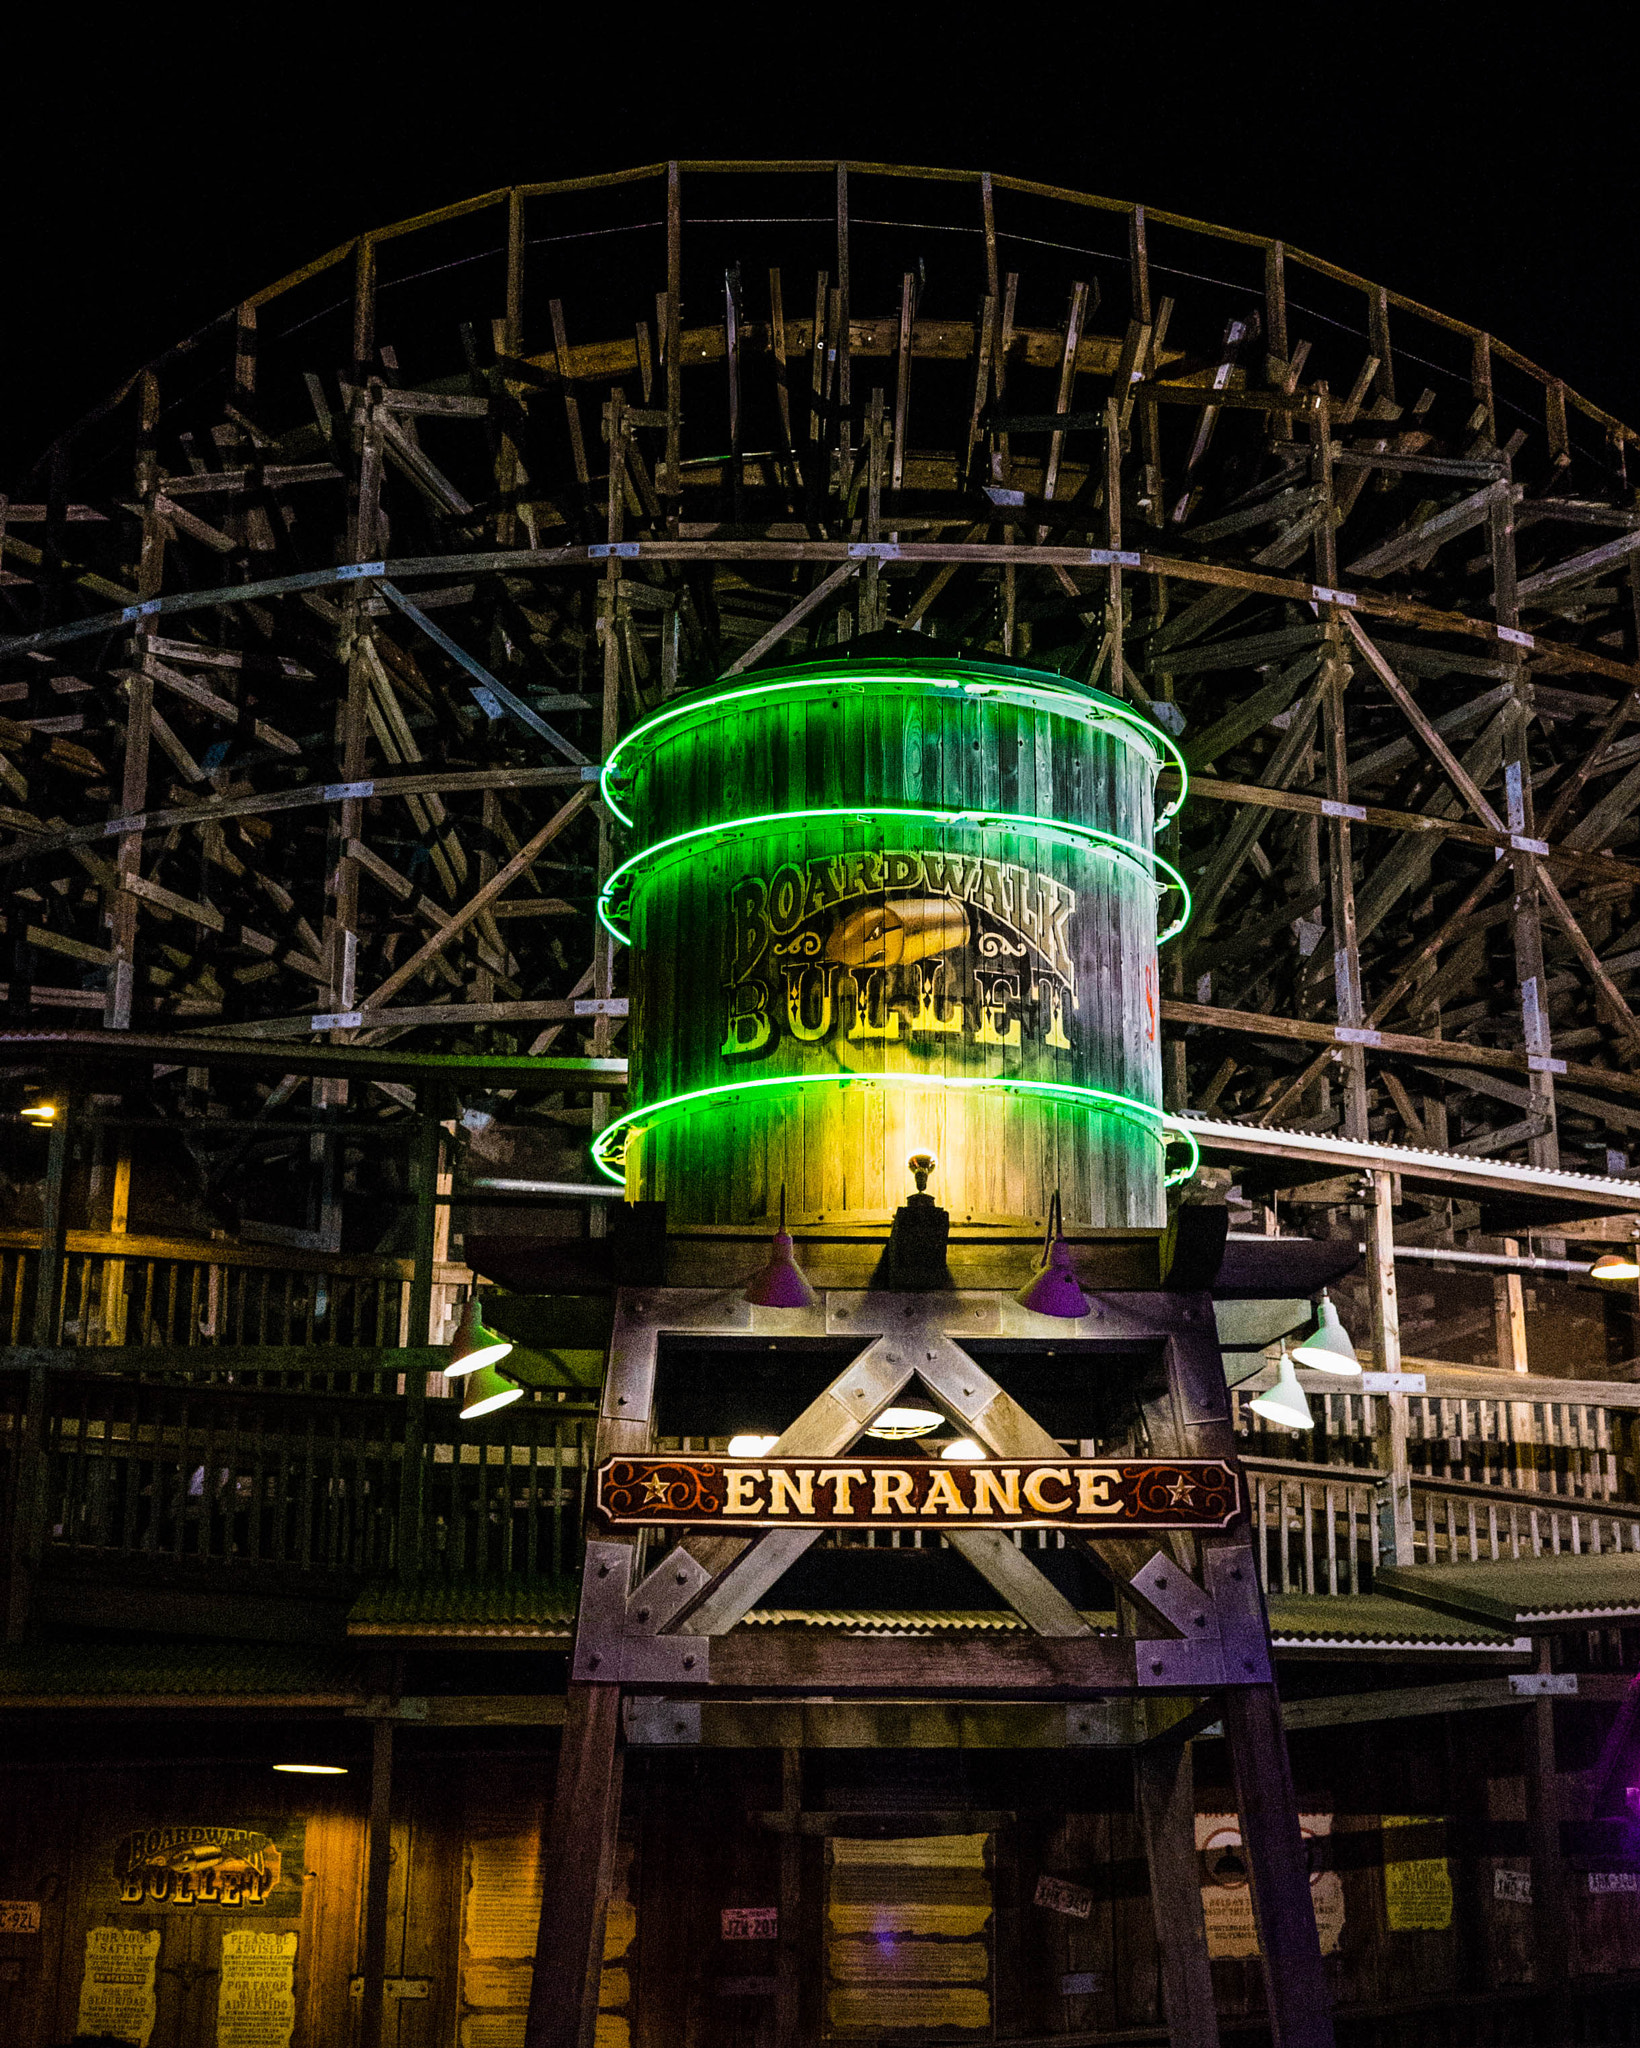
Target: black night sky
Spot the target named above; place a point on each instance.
(161, 169)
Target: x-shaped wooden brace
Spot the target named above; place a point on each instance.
(709, 1582)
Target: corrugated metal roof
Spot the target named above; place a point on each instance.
(1359, 1620)
(1516, 1592)
(431, 1606)
(90, 1671)
(1370, 1620)
(904, 1622)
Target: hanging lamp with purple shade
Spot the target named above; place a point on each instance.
(1054, 1290)
(780, 1284)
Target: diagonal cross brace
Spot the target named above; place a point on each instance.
(717, 1580)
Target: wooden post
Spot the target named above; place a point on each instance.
(1550, 1913)
(1509, 1300)
(378, 1871)
(48, 1284)
(121, 904)
(1395, 1530)
(1167, 1815)
(425, 1173)
(789, 1955)
(1295, 1985)
(1530, 977)
(580, 1861)
(113, 1281)
(28, 1511)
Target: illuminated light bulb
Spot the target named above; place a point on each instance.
(475, 1346)
(488, 1390)
(962, 1448)
(39, 1112)
(750, 1446)
(894, 1425)
(1284, 1402)
(1328, 1347)
(1615, 1266)
(314, 1770)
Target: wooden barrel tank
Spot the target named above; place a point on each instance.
(883, 907)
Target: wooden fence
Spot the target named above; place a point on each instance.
(296, 1477)
(139, 1291)
(1317, 1528)
(1574, 1448)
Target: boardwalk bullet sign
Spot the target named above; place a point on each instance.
(894, 1493)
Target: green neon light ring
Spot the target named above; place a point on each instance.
(609, 1146)
(1105, 710)
(1103, 842)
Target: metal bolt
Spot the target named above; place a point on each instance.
(688, 1663)
(1161, 1585)
(681, 1577)
(1235, 1571)
(603, 1571)
(643, 1613)
(620, 1400)
(1200, 1620)
(1246, 1663)
(1156, 1665)
(595, 1658)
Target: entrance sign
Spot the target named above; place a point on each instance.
(896, 1493)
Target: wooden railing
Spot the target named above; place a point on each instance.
(117, 1290)
(1575, 1447)
(1320, 1528)
(1315, 1530)
(292, 1477)
(1454, 1523)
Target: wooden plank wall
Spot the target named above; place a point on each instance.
(696, 1844)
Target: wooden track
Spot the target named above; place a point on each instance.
(309, 634)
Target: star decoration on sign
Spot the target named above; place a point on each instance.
(654, 1487)
(1182, 1493)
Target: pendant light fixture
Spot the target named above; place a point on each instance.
(899, 1425)
(1054, 1290)
(1328, 1347)
(781, 1283)
(475, 1345)
(488, 1390)
(1624, 1265)
(1284, 1402)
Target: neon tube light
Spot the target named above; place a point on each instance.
(1093, 710)
(1102, 842)
(609, 1147)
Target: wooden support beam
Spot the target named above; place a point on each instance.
(578, 1860)
(457, 922)
(1165, 1787)
(1295, 1983)
(827, 587)
(378, 1876)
